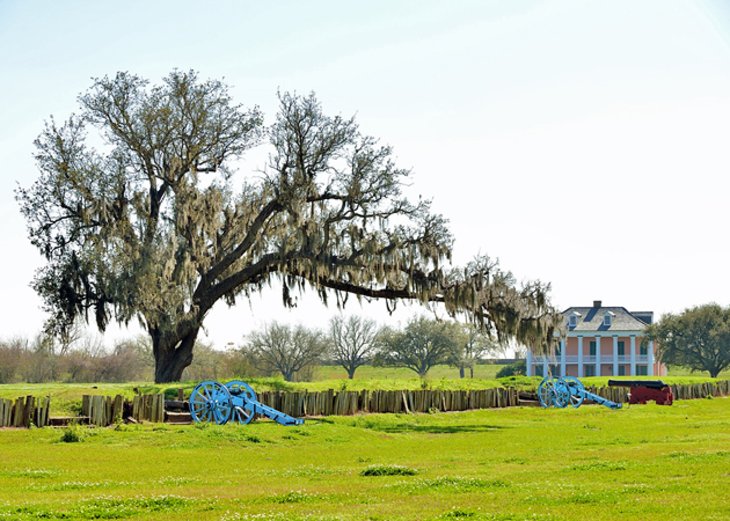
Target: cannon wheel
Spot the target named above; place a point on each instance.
(562, 396)
(210, 402)
(577, 391)
(546, 392)
(244, 397)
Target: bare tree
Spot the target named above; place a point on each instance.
(41, 363)
(69, 336)
(12, 355)
(285, 349)
(472, 345)
(154, 228)
(209, 364)
(353, 342)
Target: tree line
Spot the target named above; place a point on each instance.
(698, 338)
(276, 349)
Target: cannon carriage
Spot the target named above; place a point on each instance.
(214, 402)
(568, 390)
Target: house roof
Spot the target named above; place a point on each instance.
(591, 319)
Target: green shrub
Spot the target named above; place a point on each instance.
(388, 470)
(71, 434)
(518, 368)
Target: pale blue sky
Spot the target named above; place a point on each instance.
(581, 142)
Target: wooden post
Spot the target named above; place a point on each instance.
(5, 410)
(18, 413)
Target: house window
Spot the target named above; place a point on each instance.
(592, 349)
(607, 320)
(622, 370)
(621, 349)
(642, 370)
(643, 350)
(590, 370)
(573, 321)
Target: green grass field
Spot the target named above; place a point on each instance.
(642, 462)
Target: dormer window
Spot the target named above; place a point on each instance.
(608, 318)
(573, 319)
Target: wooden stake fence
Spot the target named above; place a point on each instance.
(149, 407)
(24, 412)
(345, 403)
(105, 410)
(102, 410)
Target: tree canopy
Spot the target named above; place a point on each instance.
(422, 344)
(139, 216)
(698, 338)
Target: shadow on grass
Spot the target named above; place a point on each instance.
(433, 429)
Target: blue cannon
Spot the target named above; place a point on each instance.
(213, 402)
(561, 392)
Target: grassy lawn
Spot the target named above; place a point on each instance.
(685, 371)
(644, 462)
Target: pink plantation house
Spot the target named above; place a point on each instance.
(601, 341)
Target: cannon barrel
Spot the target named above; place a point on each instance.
(650, 384)
(641, 391)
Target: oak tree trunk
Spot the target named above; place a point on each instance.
(172, 355)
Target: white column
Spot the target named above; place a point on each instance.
(562, 357)
(615, 355)
(598, 355)
(633, 355)
(528, 363)
(580, 356)
(650, 356)
(544, 366)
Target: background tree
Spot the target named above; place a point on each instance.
(209, 364)
(472, 345)
(698, 338)
(422, 344)
(84, 362)
(517, 368)
(41, 362)
(154, 227)
(12, 355)
(70, 335)
(286, 349)
(352, 342)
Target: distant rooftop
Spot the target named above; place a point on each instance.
(592, 318)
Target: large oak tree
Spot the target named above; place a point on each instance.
(422, 344)
(139, 216)
(698, 338)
